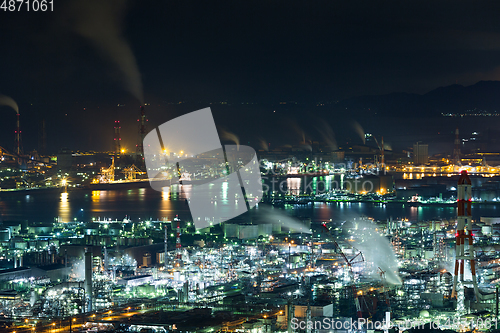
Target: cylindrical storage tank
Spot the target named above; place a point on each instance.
(265, 229)
(4, 234)
(231, 230)
(21, 245)
(486, 229)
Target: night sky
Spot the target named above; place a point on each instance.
(74, 66)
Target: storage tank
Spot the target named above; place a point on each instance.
(231, 230)
(4, 234)
(249, 231)
(486, 229)
(265, 229)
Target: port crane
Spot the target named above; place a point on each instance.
(108, 174)
(358, 258)
(131, 172)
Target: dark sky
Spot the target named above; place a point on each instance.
(259, 51)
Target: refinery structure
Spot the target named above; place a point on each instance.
(157, 275)
(307, 274)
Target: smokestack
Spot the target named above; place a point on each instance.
(464, 221)
(178, 245)
(142, 133)
(382, 156)
(88, 278)
(118, 139)
(17, 140)
(105, 259)
(166, 247)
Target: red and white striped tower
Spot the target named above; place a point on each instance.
(118, 139)
(178, 245)
(464, 219)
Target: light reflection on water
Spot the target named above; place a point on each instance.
(44, 206)
(64, 213)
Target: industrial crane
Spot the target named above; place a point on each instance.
(384, 292)
(349, 263)
(381, 148)
(108, 174)
(131, 172)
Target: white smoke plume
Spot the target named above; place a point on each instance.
(359, 130)
(228, 136)
(78, 270)
(101, 23)
(327, 134)
(294, 126)
(377, 250)
(7, 101)
(263, 144)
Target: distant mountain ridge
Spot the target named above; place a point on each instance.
(484, 95)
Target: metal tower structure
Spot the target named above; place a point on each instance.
(349, 263)
(382, 156)
(118, 139)
(456, 151)
(178, 246)
(88, 278)
(131, 172)
(381, 149)
(17, 140)
(166, 247)
(108, 174)
(384, 291)
(142, 132)
(464, 220)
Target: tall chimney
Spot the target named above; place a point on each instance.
(142, 133)
(118, 139)
(88, 278)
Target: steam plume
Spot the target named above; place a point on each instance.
(6, 100)
(292, 124)
(263, 144)
(377, 250)
(361, 132)
(101, 23)
(225, 135)
(327, 134)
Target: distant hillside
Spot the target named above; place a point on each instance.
(484, 95)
